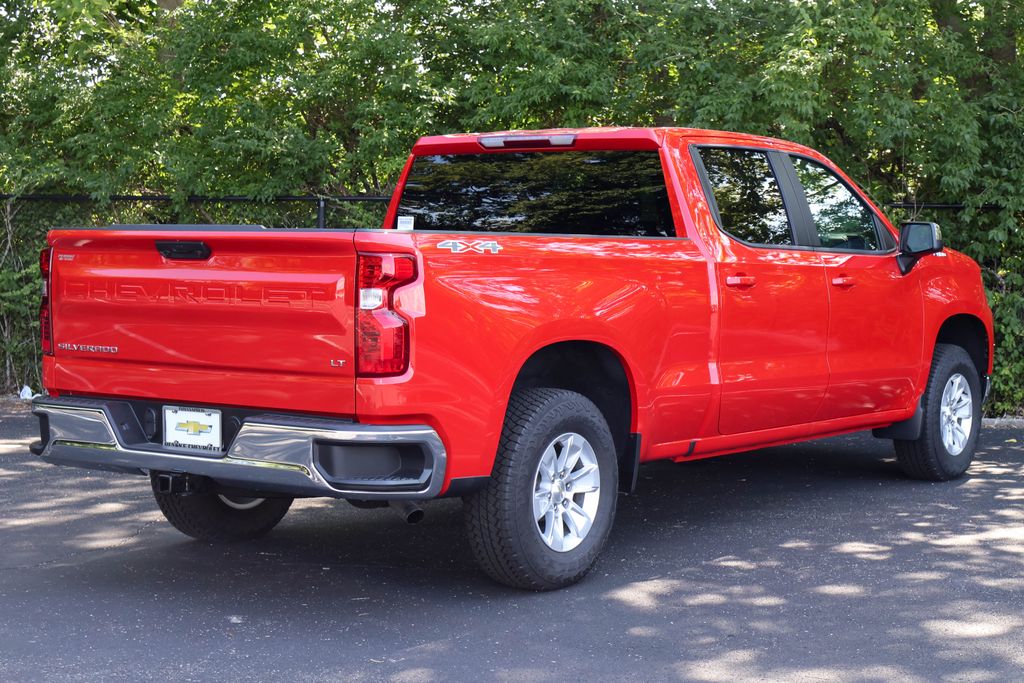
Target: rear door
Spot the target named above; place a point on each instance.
(774, 304)
(876, 319)
(234, 316)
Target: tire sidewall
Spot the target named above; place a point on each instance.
(581, 417)
(954, 465)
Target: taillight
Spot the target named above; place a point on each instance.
(382, 335)
(45, 325)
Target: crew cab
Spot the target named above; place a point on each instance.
(540, 313)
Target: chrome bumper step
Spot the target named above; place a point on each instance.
(273, 453)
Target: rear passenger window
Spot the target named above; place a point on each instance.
(842, 220)
(749, 200)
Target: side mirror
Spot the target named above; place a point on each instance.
(917, 240)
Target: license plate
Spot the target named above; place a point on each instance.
(194, 429)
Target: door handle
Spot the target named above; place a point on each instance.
(740, 281)
(843, 281)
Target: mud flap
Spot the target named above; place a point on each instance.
(629, 465)
(907, 430)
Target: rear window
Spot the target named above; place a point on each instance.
(576, 193)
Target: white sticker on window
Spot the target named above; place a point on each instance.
(406, 222)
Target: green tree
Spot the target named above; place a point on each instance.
(915, 99)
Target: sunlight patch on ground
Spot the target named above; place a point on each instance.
(864, 551)
(764, 601)
(419, 675)
(15, 446)
(922, 576)
(975, 626)
(646, 595)
(733, 562)
(527, 674)
(643, 631)
(914, 537)
(105, 508)
(1011, 494)
(998, 469)
(1015, 533)
(705, 599)
(313, 503)
(1009, 583)
(842, 590)
(104, 538)
(741, 666)
(41, 519)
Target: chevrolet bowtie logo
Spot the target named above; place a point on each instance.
(192, 427)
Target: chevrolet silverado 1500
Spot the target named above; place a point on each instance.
(540, 312)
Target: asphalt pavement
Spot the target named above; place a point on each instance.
(810, 562)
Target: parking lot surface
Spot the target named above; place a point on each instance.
(810, 562)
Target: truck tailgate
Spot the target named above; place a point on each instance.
(266, 320)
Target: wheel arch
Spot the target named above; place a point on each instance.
(969, 333)
(965, 330)
(600, 373)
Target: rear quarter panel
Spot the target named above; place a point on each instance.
(477, 317)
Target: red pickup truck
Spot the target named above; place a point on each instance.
(541, 312)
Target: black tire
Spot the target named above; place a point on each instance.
(500, 523)
(204, 515)
(927, 457)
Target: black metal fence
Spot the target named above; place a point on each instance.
(25, 219)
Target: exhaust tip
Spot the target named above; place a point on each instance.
(409, 511)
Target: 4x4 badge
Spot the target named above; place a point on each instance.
(479, 247)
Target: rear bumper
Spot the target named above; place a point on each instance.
(272, 453)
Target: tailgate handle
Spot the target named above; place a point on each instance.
(190, 250)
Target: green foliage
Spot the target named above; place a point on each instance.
(915, 99)
(19, 330)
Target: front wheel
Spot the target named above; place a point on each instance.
(543, 518)
(211, 516)
(952, 419)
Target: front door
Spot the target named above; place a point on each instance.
(876, 318)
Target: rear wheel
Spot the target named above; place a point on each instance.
(546, 513)
(951, 406)
(212, 516)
